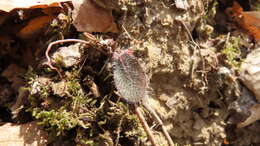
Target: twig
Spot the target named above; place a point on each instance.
(103, 67)
(118, 130)
(145, 125)
(82, 65)
(199, 50)
(126, 32)
(227, 39)
(158, 119)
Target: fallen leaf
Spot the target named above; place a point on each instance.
(107, 4)
(9, 5)
(60, 88)
(6, 94)
(5, 39)
(89, 17)
(250, 72)
(12, 73)
(253, 17)
(250, 76)
(225, 141)
(249, 21)
(20, 101)
(34, 26)
(29, 134)
(255, 115)
(3, 17)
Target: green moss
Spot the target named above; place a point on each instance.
(94, 120)
(83, 139)
(211, 11)
(56, 120)
(255, 5)
(132, 128)
(232, 52)
(105, 139)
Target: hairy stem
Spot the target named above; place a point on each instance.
(158, 119)
(145, 125)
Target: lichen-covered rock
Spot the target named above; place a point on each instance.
(69, 56)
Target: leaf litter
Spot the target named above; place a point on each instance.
(9, 5)
(183, 50)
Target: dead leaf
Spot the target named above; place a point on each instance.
(9, 5)
(107, 4)
(12, 73)
(6, 94)
(21, 100)
(252, 23)
(29, 134)
(250, 72)
(34, 26)
(255, 115)
(5, 39)
(89, 17)
(60, 88)
(250, 76)
(249, 21)
(3, 17)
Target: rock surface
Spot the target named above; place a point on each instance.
(29, 134)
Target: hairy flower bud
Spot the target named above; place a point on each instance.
(130, 79)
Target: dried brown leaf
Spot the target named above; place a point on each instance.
(12, 73)
(9, 5)
(249, 20)
(34, 26)
(255, 115)
(89, 17)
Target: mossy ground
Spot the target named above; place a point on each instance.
(181, 51)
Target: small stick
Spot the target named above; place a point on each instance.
(145, 125)
(158, 119)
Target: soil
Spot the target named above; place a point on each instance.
(181, 51)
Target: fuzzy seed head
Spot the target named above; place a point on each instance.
(130, 79)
